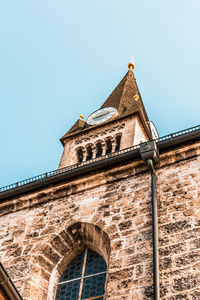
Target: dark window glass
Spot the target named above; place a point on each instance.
(74, 269)
(89, 153)
(99, 150)
(84, 278)
(93, 286)
(95, 263)
(68, 291)
(118, 141)
(108, 146)
(80, 155)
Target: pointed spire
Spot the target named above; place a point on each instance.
(126, 97)
(78, 126)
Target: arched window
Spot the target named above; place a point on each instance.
(84, 278)
(108, 146)
(80, 155)
(118, 141)
(99, 149)
(89, 153)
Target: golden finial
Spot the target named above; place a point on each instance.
(136, 97)
(131, 64)
(81, 117)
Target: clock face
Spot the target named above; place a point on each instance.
(101, 115)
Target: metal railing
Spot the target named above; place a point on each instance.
(65, 169)
(42, 177)
(178, 133)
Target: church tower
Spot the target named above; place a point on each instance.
(119, 218)
(120, 123)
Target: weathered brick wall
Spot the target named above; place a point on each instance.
(110, 211)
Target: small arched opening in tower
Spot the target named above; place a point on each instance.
(99, 149)
(89, 152)
(118, 142)
(80, 155)
(108, 146)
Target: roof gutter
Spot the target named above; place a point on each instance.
(8, 286)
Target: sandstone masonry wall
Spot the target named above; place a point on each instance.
(110, 212)
(179, 222)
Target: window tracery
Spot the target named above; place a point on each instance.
(84, 278)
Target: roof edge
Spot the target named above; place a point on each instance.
(164, 143)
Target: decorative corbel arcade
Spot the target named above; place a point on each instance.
(99, 148)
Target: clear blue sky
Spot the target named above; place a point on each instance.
(59, 59)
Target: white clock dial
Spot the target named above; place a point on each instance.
(101, 115)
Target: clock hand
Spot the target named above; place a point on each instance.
(102, 114)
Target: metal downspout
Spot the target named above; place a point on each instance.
(8, 286)
(150, 154)
(155, 230)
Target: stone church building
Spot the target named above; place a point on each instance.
(118, 220)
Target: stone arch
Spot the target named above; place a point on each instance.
(53, 257)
